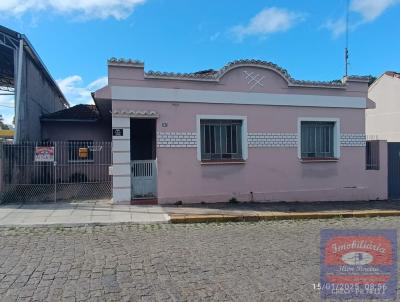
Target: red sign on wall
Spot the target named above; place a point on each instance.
(44, 154)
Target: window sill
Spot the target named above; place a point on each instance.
(318, 160)
(223, 162)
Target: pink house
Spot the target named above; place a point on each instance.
(248, 131)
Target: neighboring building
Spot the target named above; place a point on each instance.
(70, 162)
(78, 129)
(78, 123)
(247, 131)
(383, 123)
(23, 73)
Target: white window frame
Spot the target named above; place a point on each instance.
(222, 117)
(336, 133)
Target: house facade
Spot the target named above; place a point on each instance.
(383, 123)
(248, 131)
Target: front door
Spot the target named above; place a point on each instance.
(143, 158)
(394, 170)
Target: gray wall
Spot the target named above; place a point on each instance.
(38, 97)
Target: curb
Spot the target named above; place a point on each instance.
(80, 224)
(182, 218)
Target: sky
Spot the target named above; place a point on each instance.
(75, 38)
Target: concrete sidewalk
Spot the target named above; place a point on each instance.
(221, 212)
(78, 213)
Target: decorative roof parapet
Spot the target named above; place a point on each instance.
(125, 62)
(358, 78)
(216, 75)
(180, 76)
(136, 113)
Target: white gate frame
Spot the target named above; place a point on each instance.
(144, 178)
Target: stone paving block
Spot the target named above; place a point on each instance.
(255, 261)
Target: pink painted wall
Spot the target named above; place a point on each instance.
(377, 180)
(270, 173)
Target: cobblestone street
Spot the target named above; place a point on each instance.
(263, 261)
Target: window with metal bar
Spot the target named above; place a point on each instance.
(317, 140)
(372, 155)
(221, 139)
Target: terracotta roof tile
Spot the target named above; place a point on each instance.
(78, 112)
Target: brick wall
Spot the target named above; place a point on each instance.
(255, 140)
(259, 140)
(352, 140)
(176, 139)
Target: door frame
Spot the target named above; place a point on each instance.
(393, 174)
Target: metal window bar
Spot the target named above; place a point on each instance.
(317, 139)
(372, 155)
(221, 139)
(143, 168)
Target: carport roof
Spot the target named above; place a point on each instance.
(9, 41)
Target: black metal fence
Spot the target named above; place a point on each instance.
(50, 171)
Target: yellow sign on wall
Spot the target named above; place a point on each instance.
(83, 152)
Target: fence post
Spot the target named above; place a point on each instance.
(55, 172)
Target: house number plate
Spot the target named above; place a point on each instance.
(118, 132)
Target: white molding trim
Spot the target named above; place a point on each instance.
(336, 132)
(129, 93)
(223, 117)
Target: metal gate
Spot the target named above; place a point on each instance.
(50, 171)
(394, 170)
(144, 178)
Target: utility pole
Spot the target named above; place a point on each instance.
(346, 50)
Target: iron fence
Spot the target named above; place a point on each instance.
(49, 171)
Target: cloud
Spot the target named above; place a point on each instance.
(337, 27)
(72, 87)
(371, 9)
(215, 36)
(366, 10)
(268, 21)
(7, 101)
(76, 92)
(88, 9)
